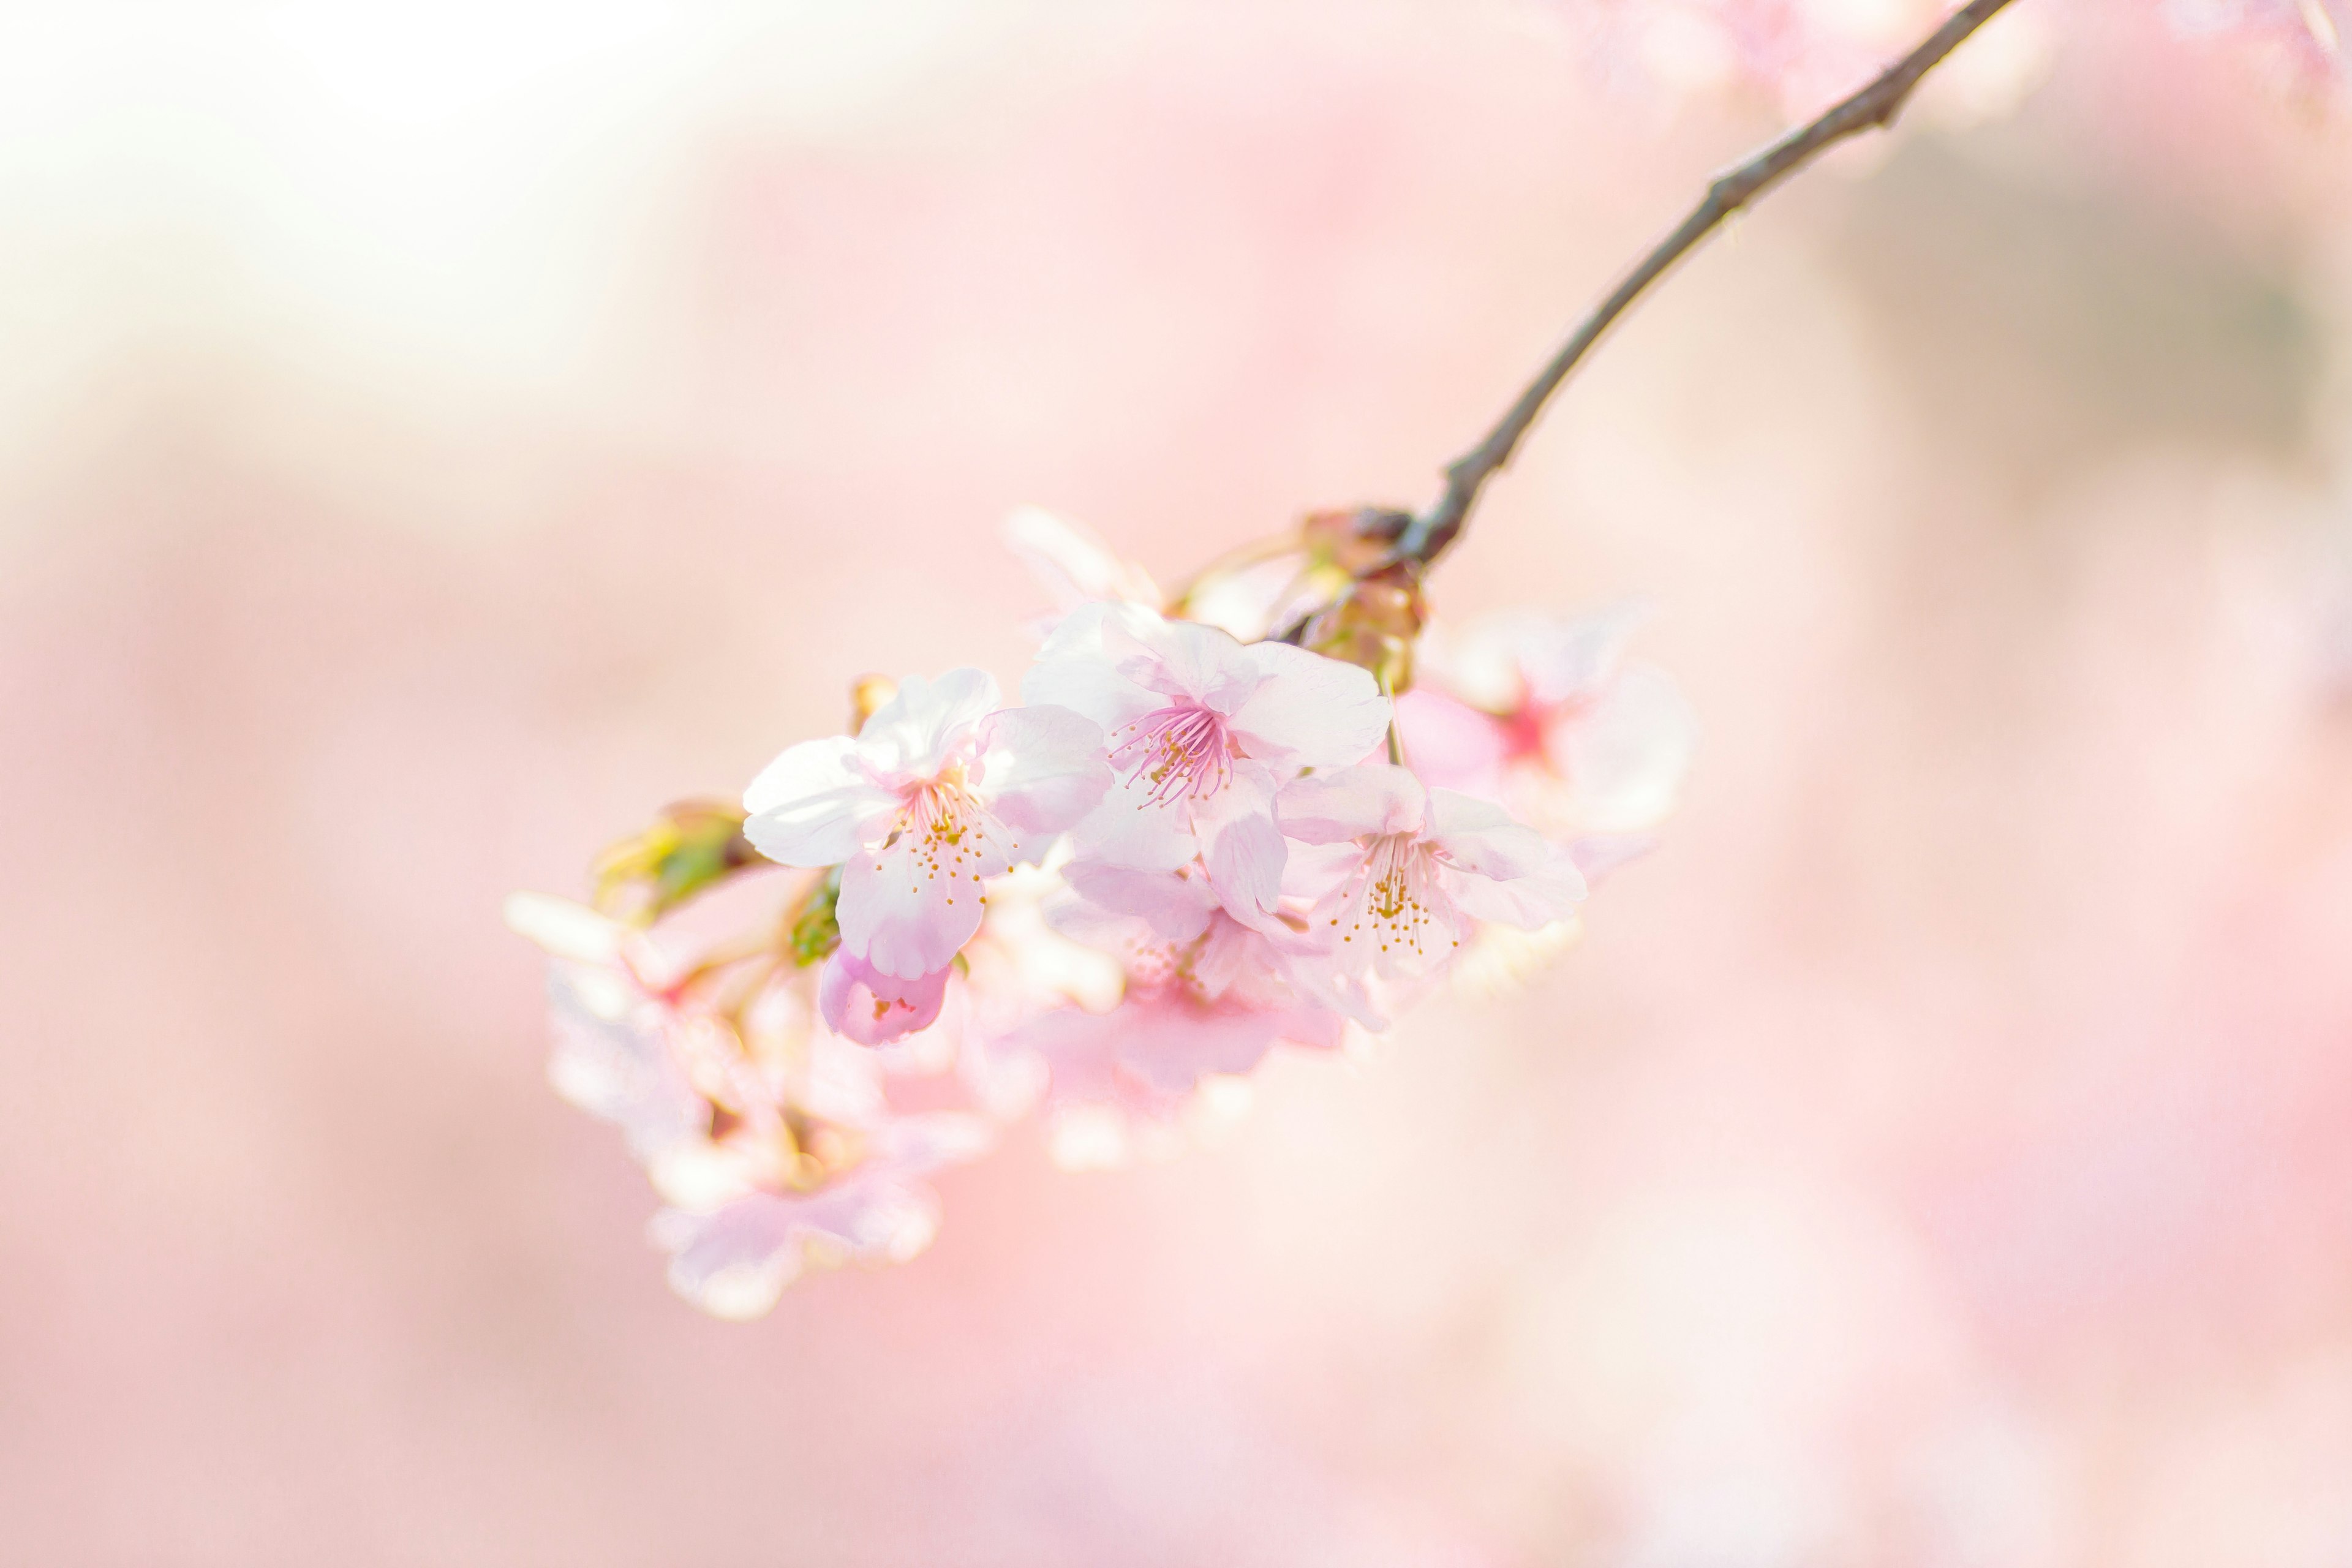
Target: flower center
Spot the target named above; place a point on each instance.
(941, 819)
(1181, 752)
(1398, 902)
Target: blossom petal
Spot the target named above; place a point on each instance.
(1042, 770)
(1176, 909)
(1187, 659)
(735, 1261)
(1479, 836)
(1529, 902)
(1246, 861)
(1078, 669)
(862, 1003)
(613, 1060)
(923, 727)
(1134, 831)
(1072, 562)
(1307, 710)
(811, 806)
(907, 908)
(1626, 754)
(1449, 743)
(1373, 797)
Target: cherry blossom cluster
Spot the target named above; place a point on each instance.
(1275, 810)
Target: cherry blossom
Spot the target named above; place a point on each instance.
(1201, 730)
(939, 790)
(734, 1261)
(1416, 866)
(1204, 999)
(1544, 716)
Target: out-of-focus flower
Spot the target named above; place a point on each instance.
(735, 1261)
(1201, 731)
(1415, 866)
(1544, 716)
(2293, 40)
(922, 807)
(1807, 54)
(1072, 564)
(1203, 997)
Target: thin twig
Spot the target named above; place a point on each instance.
(1875, 105)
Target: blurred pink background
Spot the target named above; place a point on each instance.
(429, 442)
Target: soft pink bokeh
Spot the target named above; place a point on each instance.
(428, 445)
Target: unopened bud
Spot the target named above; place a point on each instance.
(866, 693)
(1374, 623)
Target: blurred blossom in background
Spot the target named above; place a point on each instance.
(433, 436)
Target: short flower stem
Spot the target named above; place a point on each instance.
(1430, 533)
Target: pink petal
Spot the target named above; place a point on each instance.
(1451, 743)
(1072, 562)
(908, 909)
(1479, 836)
(1626, 754)
(860, 1003)
(1309, 711)
(1176, 909)
(1246, 861)
(1528, 902)
(1349, 803)
(1041, 769)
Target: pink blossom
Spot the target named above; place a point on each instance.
(1412, 868)
(1544, 716)
(1203, 997)
(1201, 731)
(735, 1261)
(938, 792)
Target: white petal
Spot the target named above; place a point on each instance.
(1041, 769)
(1206, 663)
(1135, 831)
(1079, 669)
(1307, 710)
(1373, 797)
(923, 728)
(1529, 902)
(1072, 562)
(564, 929)
(1479, 836)
(735, 1262)
(616, 1064)
(811, 805)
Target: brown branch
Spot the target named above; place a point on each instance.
(1875, 105)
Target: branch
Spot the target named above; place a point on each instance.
(1873, 107)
